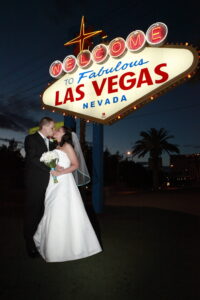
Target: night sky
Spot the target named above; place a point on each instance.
(33, 34)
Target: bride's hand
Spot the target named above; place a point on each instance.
(59, 168)
(56, 173)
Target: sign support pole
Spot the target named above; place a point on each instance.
(97, 176)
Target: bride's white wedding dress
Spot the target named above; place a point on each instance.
(65, 232)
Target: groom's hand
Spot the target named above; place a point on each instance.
(59, 168)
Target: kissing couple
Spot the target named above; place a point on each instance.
(56, 224)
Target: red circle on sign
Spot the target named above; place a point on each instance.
(117, 47)
(55, 69)
(99, 53)
(136, 40)
(69, 63)
(157, 33)
(84, 58)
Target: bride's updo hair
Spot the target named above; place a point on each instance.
(67, 137)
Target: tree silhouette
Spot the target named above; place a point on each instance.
(111, 167)
(12, 164)
(154, 142)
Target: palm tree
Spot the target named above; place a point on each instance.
(154, 142)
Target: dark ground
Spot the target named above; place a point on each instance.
(149, 253)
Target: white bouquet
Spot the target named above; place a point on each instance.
(50, 159)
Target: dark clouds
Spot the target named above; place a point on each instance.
(15, 122)
(19, 113)
(192, 146)
(14, 113)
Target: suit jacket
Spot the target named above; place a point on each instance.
(35, 146)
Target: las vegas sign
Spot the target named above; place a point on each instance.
(111, 81)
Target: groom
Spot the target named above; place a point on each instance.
(36, 179)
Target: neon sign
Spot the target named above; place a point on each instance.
(107, 83)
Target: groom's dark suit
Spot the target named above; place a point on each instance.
(36, 180)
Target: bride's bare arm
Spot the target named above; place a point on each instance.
(73, 159)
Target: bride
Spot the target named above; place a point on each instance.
(65, 232)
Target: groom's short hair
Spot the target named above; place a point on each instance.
(44, 121)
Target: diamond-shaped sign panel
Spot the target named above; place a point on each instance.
(101, 92)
